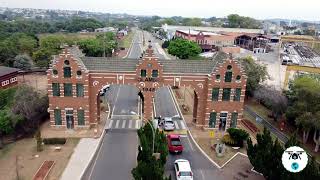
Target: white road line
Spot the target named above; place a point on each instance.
(130, 123)
(137, 124)
(117, 124)
(176, 124)
(123, 123)
(114, 103)
(95, 161)
(183, 126)
(190, 144)
(201, 172)
(110, 124)
(174, 104)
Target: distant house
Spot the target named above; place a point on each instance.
(106, 29)
(8, 77)
(121, 34)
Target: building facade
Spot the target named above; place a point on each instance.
(206, 40)
(74, 82)
(8, 77)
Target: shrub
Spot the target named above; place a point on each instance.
(228, 140)
(54, 140)
(239, 135)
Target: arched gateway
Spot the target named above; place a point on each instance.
(74, 82)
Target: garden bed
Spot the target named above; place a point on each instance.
(44, 170)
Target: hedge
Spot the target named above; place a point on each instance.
(54, 140)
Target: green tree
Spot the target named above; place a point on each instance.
(236, 21)
(239, 135)
(256, 74)
(150, 168)
(22, 62)
(265, 156)
(184, 49)
(91, 47)
(191, 22)
(316, 135)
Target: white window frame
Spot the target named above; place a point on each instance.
(14, 79)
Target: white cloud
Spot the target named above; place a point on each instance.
(260, 9)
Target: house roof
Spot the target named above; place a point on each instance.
(7, 70)
(169, 66)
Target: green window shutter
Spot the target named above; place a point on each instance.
(57, 117)
(226, 94)
(80, 92)
(81, 118)
(143, 73)
(67, 72)
(215, 94)
(237, 95)
(154, 73)
(67, 89)
(56, 89)
(234, 118)
(228, 76)
(212, 120)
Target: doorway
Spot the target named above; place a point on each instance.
(223, 121)
(69, 119)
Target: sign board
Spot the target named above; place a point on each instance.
(211, 133)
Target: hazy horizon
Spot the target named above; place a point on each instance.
(284, 9)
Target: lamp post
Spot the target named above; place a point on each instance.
(153, 134)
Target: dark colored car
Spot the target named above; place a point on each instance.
(174, 143)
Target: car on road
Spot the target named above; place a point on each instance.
(168, 124)
(183, 169)
(174, 143)
(104, 89)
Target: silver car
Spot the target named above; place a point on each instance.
(168, 124)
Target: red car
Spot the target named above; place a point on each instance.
(174, 143)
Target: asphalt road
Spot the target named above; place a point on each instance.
(201, 167)
(117, 154)
(136, 46)
(164, 104)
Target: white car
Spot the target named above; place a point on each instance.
(168, 124)
(104, 89)
(183, 169)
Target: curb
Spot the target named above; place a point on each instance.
(97, 149)
(194, 141)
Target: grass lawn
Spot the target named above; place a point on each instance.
(127, 40)
(20, 157)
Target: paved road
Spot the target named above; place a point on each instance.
(117, 154)
(164, 104)
(202, 168)
(156, 44)
(136, 46)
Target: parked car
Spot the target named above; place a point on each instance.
(168, 124)
(174, 143)
(183, 169)
(104, 89)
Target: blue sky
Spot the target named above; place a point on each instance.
(260, 9)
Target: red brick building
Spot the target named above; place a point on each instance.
(74, 82)
(8, 77)
(206, 40)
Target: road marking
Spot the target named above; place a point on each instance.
(117, 124)
(110, 124)
(123, 123)
(137, 124)
(95, 161)
(201, 172)
(190, 144)
(183, 126)
(130, 123)
(174, 104)
(114, 104)
(176, 124)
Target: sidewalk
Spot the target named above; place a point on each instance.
(81, 158)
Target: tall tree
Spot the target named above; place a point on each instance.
(22, 62)
(256, 74)
(316, 135)
(184, 49)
